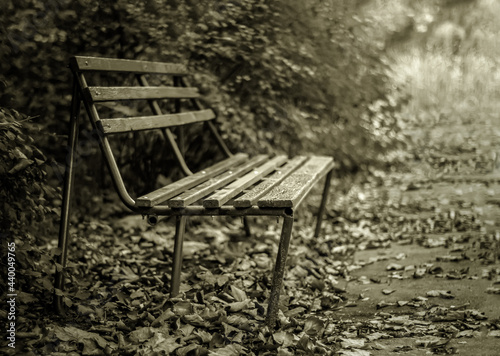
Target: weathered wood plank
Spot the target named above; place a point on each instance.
(250, 198)
(154, 122)
(228, 192)
(296, 186)
(171, 190)
(202, 190)
(82, 63)
(100, 94)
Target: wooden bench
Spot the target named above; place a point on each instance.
(236, 186)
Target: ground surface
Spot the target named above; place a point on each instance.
(442, 239)
(407, 264)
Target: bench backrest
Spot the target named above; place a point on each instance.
(99, 94)
(178, 92)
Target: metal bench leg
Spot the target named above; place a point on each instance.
(246, 227)
(69, 175)
(180, 227)
(279, 270)
(324, 200)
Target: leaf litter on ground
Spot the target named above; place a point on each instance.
(226, 282)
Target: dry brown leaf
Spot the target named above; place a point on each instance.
(440, 293)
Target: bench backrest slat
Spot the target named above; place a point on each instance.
(154, 122)
(81, 64)
(100, 94)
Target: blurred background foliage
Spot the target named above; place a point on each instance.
(335, 77)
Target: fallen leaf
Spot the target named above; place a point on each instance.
(229, 350)
(494, 333)
(400, 256)
(238, 294)
(295, 312)
(137, 294)
(283, 338)
(194, 319)
(440, 293)
(384, 304)
(73, 334)
(449, 258)
(313, 326)
(141, 334)
(159, 344)
(354, 353)
(183, 308)
(394, 267)
(205, 336)
(166, 315)
(190, 248)
(352, 343)
(377, 335)
(433, 342)
(493, 290)
(239, 306)
(184, 351)
(26, 298)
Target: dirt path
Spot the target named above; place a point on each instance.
(429, 273)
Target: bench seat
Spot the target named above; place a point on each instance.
(264, 182)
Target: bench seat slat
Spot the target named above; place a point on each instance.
(82, 63)
(118, 125)
(228, 192)
(171, 190)
(250, 198)
(295, 187)
(206, 188)
(100, 94)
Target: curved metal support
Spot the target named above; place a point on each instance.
(105, 148)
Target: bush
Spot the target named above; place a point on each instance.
(299, 76)
(25, 200)
(23, 191)
(293, 75)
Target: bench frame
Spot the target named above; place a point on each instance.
(81, 92)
